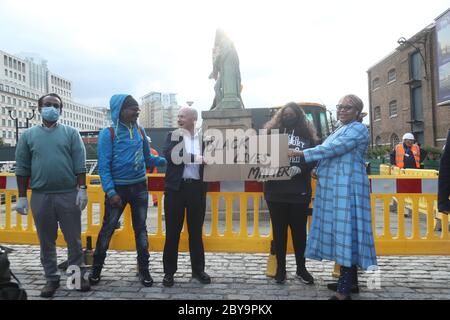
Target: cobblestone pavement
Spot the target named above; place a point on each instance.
(242, 277)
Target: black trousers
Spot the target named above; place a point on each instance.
(192, 197)
(295, 216)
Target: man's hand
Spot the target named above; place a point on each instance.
(115, 201)
(82, 199)
(161, 162)
(22, 205)
(294, 171)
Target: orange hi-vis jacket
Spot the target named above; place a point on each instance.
(400, 155)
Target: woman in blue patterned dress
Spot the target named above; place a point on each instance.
(341, 229)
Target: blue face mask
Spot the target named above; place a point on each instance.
(50, 114)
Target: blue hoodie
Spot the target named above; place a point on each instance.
(123, 161)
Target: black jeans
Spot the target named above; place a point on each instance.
(137, 196)
(192, 197)
(295, 216)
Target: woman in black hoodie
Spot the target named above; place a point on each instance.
(288, 200)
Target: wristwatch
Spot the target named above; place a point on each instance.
(83, 187)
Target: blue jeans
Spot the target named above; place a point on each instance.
(137, 196)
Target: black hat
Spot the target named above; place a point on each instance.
(129, 102)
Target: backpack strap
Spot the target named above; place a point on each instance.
(111, 132)
(142, 133)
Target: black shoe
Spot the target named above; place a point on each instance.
(280, 278)
(49, 289)
(84, 285)
(333, 287)
(168, 280)
(304, 276)
(203, 277)
(95, 275)
(145, 277)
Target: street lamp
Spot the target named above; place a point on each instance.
(402, 41)
(16, 120)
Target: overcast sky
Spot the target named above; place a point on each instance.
(289, 50)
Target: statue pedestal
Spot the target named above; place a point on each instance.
(227, 119)
(230, 102)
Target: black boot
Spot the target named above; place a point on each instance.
(145, 278)
(95, 274)
(280, 277)
(302, 273)
(49, 289)
(355, 288)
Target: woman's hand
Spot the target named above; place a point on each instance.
(295, 153)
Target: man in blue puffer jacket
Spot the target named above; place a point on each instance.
(123, 156)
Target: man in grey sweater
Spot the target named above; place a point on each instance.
(53, 156)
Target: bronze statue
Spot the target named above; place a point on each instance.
(226, 73)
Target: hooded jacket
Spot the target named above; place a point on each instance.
(123, 160)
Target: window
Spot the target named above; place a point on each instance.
(392, 75)
(5, 60)
(6, 72)
(394, 140)
(378, 141)
(377, 113)
(393, 108)
(10, 62)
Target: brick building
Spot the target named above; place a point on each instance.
(402, 94)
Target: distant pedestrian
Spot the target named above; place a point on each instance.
(406, 155)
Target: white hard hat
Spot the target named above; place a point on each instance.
(408, 136)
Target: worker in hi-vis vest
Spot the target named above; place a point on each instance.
(406, 155)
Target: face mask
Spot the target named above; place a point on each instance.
(289, 122)
(50, 114)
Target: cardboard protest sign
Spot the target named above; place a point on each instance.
(247, 158)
